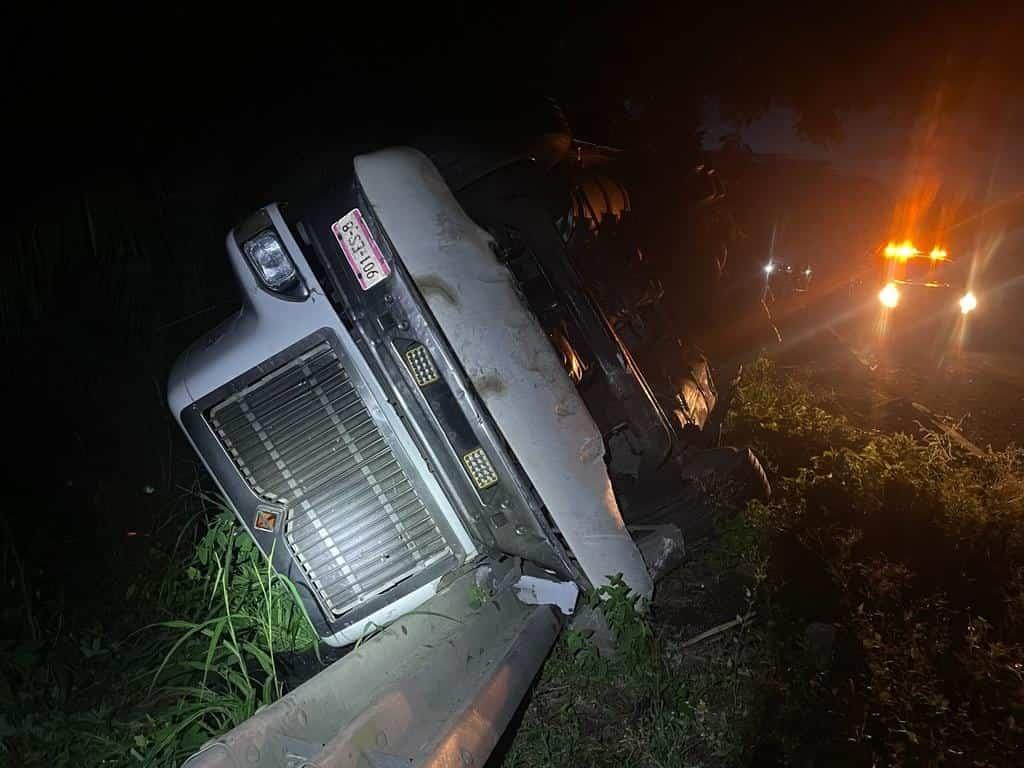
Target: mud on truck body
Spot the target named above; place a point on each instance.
(408, 409)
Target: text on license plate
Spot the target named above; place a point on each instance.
(360, 249)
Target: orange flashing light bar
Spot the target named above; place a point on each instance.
(901, 251)
(906, 250)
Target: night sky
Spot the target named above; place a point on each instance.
(99, 92)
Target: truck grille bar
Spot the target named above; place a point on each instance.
(302, 438)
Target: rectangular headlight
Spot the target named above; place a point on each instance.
(421, 365)
(271, 261)
(480, 469)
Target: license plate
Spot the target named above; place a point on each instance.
(361, 250)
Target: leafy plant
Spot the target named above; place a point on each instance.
(650, 704)
(154, 694)
(629, 622)
(915, 549)
(221, 668)
(478, 595)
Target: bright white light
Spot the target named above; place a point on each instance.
(967, 303)
(769, 268)
(889, 295)
(807, 271)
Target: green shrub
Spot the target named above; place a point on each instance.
(921, 547)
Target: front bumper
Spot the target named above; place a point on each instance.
(436, 689)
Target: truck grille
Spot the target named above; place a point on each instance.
(302, 438)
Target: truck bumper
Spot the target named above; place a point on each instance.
(436, 688)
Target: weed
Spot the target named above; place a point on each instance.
(625, 614)
(651, 704)
(768, 404)
(914, 549)
(478, 595)
(155, 694)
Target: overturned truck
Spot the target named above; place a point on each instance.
(423, 400)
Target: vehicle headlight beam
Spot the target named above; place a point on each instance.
(889, 295)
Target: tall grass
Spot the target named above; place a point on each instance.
(221, 667)
(157, 692)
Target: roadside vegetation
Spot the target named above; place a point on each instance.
(877, 604)
(913, 553)
(872, 613)
(654, 703)
(183, 652)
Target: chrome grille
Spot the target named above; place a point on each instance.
(303, 438)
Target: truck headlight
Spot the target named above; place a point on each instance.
(889, 295)
(968, 303)
(271, 262)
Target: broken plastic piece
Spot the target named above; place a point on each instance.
(535, 591)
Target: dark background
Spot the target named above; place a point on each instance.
(136, 140)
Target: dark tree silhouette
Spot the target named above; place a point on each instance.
(819, 60)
